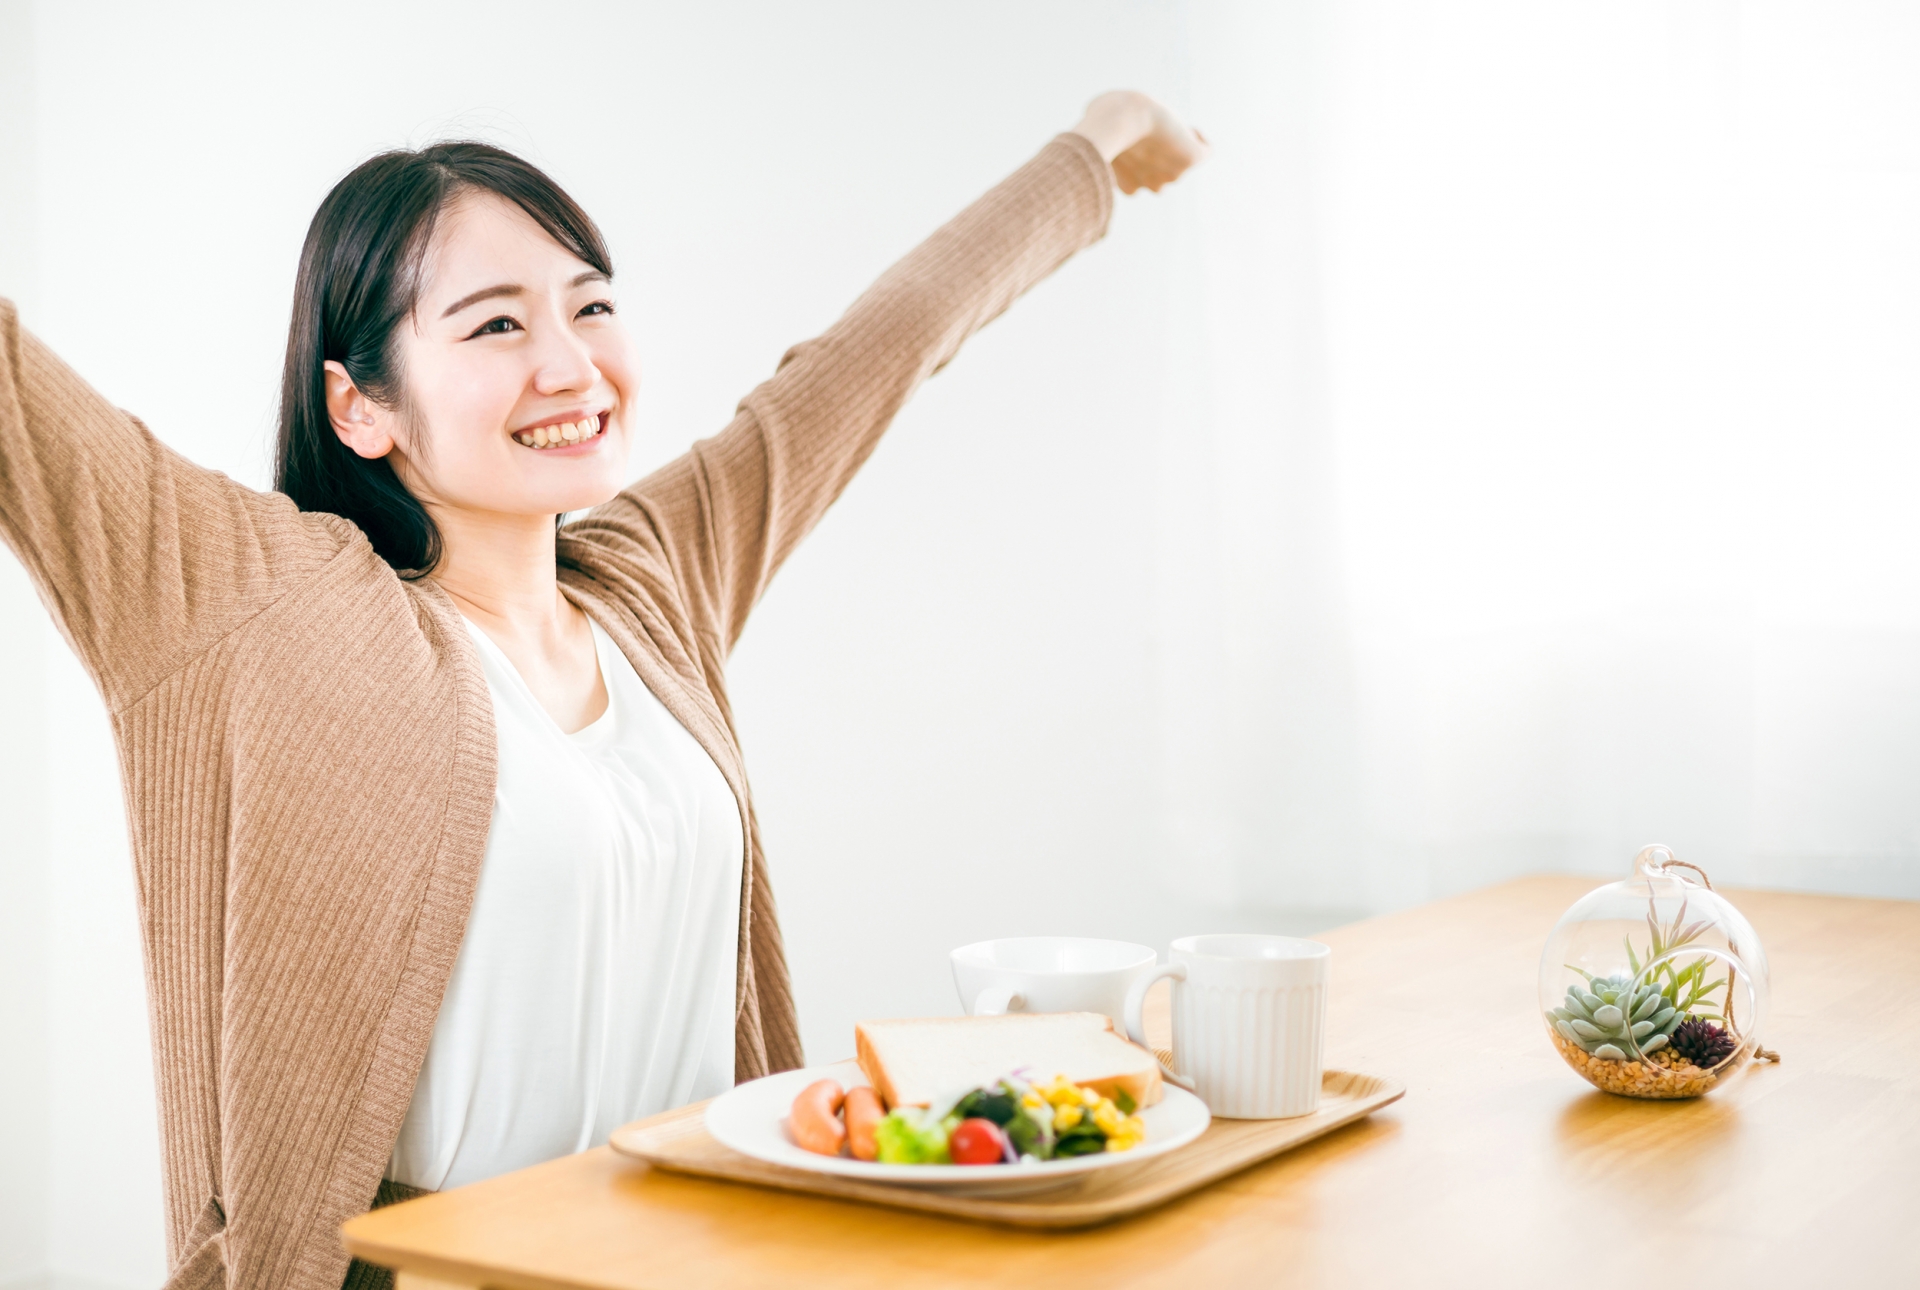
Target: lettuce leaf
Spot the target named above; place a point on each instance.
(910, 1136)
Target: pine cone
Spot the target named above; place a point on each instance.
(1701, 1042)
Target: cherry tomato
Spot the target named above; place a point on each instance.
(977, 1142)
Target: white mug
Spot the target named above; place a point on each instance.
(1249, 1022)
(1048, 974)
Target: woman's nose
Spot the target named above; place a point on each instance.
(565, 362)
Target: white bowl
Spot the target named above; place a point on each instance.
(1049, 974)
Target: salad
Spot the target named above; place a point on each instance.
(1010, 1121)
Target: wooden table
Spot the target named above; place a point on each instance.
(1500, 1166)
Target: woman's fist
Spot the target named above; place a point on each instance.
(1148, 146)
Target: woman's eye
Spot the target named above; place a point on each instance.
(497, 327)
(597, 307)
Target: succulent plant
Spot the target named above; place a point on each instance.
(1701, 1042)
(1612, 1018)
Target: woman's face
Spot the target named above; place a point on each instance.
(519, 377)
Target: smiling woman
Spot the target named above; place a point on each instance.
(453, 310)
(406, 236)
(446, 857)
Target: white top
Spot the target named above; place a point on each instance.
(595, 984)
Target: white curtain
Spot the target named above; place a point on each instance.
(1553, 374)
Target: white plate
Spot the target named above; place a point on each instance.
(752, 1119)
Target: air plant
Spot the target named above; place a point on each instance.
(1664, 940)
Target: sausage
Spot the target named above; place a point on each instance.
(814, 1119)
(865, 1110)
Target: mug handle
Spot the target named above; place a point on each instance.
(1136, 1028)
(996, 1001)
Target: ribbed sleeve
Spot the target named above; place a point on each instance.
(144, 558)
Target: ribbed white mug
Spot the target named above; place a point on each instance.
(1249, 1022)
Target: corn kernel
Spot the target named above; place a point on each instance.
(1065, 1118)
(1061, 1092)
(1090, 1099)
(1123, 1143)
(1108, 1117)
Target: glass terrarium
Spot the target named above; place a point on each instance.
(1656, 986)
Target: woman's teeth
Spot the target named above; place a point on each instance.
(561, 435)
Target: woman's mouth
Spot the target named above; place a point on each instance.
(563, 434)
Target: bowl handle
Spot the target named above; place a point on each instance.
(997, 1000)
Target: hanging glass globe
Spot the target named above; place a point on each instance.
(1656, 986)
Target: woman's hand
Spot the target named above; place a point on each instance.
(1148, 146)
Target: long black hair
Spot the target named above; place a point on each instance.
(359, 280)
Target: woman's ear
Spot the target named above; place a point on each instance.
(361, 423)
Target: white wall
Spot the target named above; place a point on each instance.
(26, 1058)
(1498, 457)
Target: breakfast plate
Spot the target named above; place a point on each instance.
(752, 1120)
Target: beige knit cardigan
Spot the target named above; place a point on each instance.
(307, 746)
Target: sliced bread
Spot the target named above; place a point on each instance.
(914, 1062)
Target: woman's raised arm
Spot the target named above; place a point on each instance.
(727, 514)
(144, 558)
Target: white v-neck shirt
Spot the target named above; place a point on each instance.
(596, 981)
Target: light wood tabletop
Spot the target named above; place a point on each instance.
(1499, 1167)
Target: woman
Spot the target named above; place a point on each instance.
(446, 858)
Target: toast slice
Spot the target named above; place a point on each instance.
(914, 1062)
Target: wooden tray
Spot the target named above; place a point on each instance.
(678, 1141)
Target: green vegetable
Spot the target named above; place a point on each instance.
(910, 1136)
(1124, 1100)
(1030, 1131)
(1030, 1137)
(994, 1104)
(1083, 1139)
